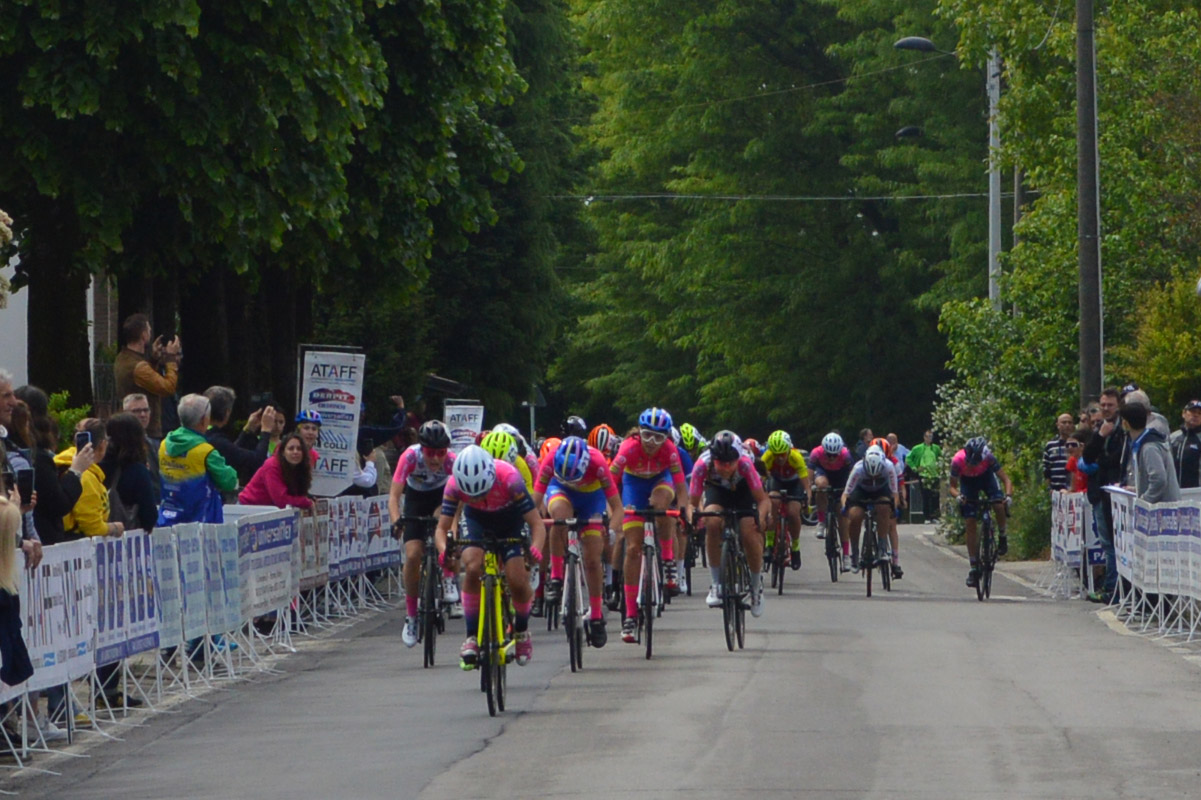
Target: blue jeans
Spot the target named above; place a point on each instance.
(1105, 534)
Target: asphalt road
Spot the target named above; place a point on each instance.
(921, 693)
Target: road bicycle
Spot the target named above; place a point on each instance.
(832, 536)
(574, 607)
(495, 632)
(650, 577)
(988, 551)
(736, 579)
(874, 550)
(782, 551)
(431, 603)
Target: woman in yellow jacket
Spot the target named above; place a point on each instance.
(89, 516)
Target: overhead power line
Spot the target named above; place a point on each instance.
(770, 198)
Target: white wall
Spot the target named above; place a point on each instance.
(14, 333)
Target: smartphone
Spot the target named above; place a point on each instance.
(25, 485)
(82, 440)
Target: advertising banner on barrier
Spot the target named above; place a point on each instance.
(313, 572)
(378, 531)
(189, 543)
(224, 595)
(1121, 503)
(464, 421)
(265, 561)
(167, 587)
(58, 605)
(332, 385)
(126, 618)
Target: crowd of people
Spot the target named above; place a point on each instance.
(1122, 440)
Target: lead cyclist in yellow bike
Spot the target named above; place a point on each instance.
(788, 474)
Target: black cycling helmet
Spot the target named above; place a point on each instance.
(975, 449)
(433, 434)
(725, 446)
(574, 426)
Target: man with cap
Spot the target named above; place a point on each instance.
(1186, 447)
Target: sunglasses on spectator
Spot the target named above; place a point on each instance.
(437, 452)
(652, 436)
(1073, 444)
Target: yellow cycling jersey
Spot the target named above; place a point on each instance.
(788, 467)
(526, 476)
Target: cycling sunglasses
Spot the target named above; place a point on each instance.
(433, 452)
(648, 435)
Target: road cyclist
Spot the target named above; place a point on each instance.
(495, 505)
(725, 478)
(894, 541)
(575, 482)
(648, 471)
(422, 471)
(787, 475)
(871, 480)
(831, 464)
(975, 471)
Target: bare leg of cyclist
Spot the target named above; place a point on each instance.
(473, 567)
(631, 569)
(854, 526)
(560, 509)
(713, 553)
(752, 543)
(414, 552)
(519, 590)
(794, 528)
(594, 574)
(665, 529)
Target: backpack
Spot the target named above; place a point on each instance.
(118, 510)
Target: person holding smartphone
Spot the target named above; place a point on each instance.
(89, 515)
(138, 365)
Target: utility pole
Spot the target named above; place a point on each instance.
(994, 181)
(1088, 204)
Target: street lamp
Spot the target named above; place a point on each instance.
(993, 85)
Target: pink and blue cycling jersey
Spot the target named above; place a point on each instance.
(961, 469)
(596, 477)
(413, 472)
(507, 495)
(819, 459)
(703, 472)
(632, 459)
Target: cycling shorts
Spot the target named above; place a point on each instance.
(636, 492)
(791, 486)
(505, 524)
(739, 498)
(419, 503)
(971, 489)
(838, 478)
(863, 497)
(584, 505)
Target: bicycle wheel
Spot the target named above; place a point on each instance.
(489, 656)
(988, 557)
(867, 551)
(570, 614)
(729, 593)
(747, 581)
(886, 574)
(833, 551)
(429, 624)
(649, 607)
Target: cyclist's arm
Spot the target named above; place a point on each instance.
(1005, 480)
(953, 487)
(445, 521)
(616, 514)
(852, 483)
(394, 501)
(537, 530)
(764, 502)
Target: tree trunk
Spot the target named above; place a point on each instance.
(204, 333)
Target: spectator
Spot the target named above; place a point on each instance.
(363, 476)
(308, 427)
(1091, 416)
(58, 490)
(1186, 447)
(1055, 455)
(284, 479)
(1154, 472)
(1107, 452)
(865, 437)
(193, 473)
(899, 450)
(249, 452)
(128, 476)
(1078, 469)
(923, 459)
(12, 460)
(139, 405)
(89, 515)
(135, 370)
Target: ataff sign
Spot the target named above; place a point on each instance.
(332, 385)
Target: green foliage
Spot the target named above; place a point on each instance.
(1163, 357)
(66, 416)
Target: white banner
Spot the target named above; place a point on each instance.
(265, 562)
(224, 593)
(127, 621)
(58, 606)
(192, 589)
(167, 587)
(1072, 530)
(332, 385)
(464, 422)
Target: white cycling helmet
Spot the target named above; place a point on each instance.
(873, 461)
(832, 444)
(505, 427)
(474, 471)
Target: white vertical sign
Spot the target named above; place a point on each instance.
(332, 385)
(464, 421)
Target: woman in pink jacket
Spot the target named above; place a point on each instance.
(284, 479)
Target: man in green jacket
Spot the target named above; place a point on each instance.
(192, 471)
(923, 459)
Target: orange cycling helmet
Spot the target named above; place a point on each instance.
(883, 444)
(599, 437)
(549, 446)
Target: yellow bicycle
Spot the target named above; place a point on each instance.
(495, 633)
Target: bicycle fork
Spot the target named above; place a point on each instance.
(649, 551)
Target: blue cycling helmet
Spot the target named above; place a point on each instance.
(976, 449)
(571, 459)
(655, 419)
(308, 415)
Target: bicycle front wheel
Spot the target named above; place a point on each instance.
(748, 583)
(429, 623)
(489, 657)
(649, 606)
(867, 552)
(570, 615)
(729, 594)
(988, 559)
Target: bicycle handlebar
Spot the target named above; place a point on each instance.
(653, 512)
(603, 519)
